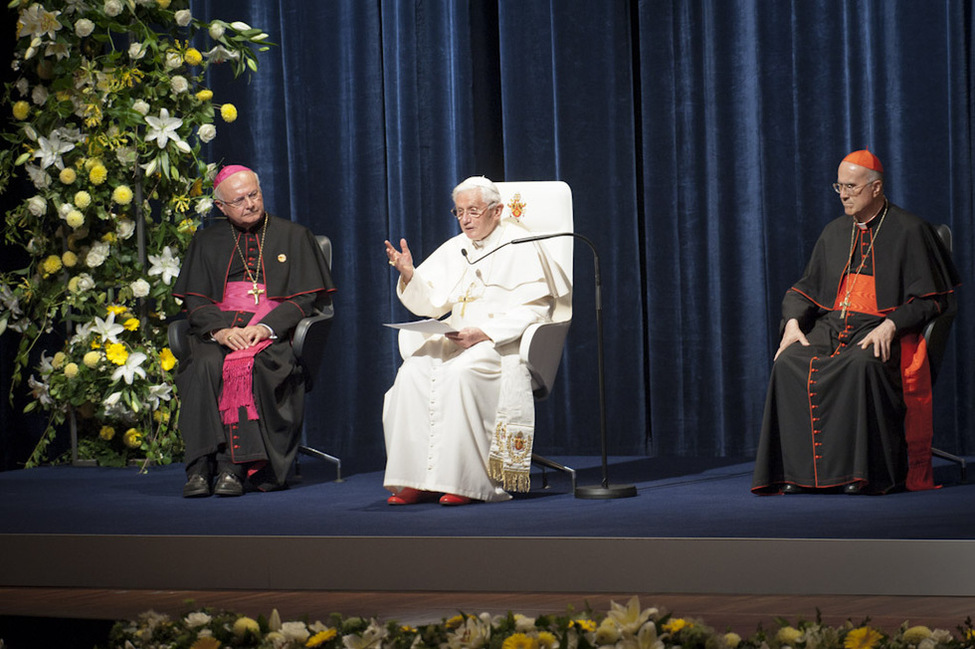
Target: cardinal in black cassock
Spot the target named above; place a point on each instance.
(851, 364)
(246, 282)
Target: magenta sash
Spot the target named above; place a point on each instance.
(238, 365)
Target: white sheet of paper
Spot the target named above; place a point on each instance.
(428, 326)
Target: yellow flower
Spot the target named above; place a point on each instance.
(98, 174)
(58, 361)
(732, 640)
(82, 199)
(117, 353)
(91, 359)
(519, 641)
(51, 265)
(116, 309)
(163, 4)
(67, 176)
(75, 219)
(321, 638)
(547, 640)
(862, 637)
(187, 226)
(131, 324)
(71, 370)
(676, 625)
(788, 635)
(228, 112)
(916, 634)
(109, 237)
(166, 359)
(193, 56)
(205, 95)
(69, 259)
(207, 641)
(454, 622)
(73, 284)
(21, 110)
(244, 626)
(122, 195)
(133, 439)
(197, 188)
(106, 433)
(161, 417)
(587, 626)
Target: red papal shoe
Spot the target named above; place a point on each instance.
(410, 496)
(453, 500)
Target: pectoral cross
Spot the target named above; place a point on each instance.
(466, 299)
(256, 292)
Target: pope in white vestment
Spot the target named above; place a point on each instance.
(455, 391)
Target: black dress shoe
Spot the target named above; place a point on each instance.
(791, 489)
(853, 489)
(196, 486)
(228, 485)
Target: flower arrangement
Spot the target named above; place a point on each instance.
(109, 113)
(622, 627)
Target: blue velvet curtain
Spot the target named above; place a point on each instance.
(700, 139)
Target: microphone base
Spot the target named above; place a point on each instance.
(600, 492)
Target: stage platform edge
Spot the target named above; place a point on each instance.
(907, 567)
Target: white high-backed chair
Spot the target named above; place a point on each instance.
(542, 207)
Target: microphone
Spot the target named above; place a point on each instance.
(537, 237)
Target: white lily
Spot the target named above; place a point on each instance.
(157, 393)
(131, 369)
(50, 150)
(165, 265)
(107, 328)
(162, 129)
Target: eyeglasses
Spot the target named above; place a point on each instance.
(473, 212)
(239, 202)
(850, 188)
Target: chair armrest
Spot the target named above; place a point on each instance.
(177, 334)
(541, 349)
(308, 342)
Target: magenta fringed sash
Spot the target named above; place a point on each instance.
(238, 366)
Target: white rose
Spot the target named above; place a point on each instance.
(183, 17)
(179, 84)
(126, 228)
(216, 30)
(204, 205)
(140, 288)
(39, 95)
(97, 255)
(141, 107)
(206, 132)
(137, 51)
(173, 60)
(113, 7)
(84, 27)
(85, 282)
(65, 209)
(37, 206)
(22, 86)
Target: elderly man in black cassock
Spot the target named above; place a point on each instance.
(246, 282)
(851, 365)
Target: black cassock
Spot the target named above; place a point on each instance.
(834, 414)
(294, 273)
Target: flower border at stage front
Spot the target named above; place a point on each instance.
(626, 626)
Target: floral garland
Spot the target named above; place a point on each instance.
(110, 111)
(622, 627)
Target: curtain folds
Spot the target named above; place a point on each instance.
(700, 140)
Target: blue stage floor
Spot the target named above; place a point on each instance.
(680, 497)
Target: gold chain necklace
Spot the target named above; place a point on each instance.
(863, 260)
(255, 291)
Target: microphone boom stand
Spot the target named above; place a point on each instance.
(605, 490)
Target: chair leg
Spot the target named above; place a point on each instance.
(314, 452)
(545, 462)
(960, 461)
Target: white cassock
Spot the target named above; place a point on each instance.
(440, 414)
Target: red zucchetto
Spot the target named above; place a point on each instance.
(866, 159)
